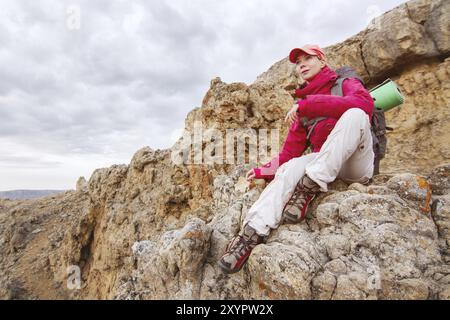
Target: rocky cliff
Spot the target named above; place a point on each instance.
(154, 229)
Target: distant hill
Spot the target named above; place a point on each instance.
(27, 194)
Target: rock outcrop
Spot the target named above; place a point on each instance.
(153, 229)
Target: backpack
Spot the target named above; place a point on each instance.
(378, 123)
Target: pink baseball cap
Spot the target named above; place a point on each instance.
(311, 49)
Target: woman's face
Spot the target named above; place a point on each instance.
(308, 66)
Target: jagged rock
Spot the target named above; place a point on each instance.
(143, 157)
(104, 182)
(82, 185)
(349, 52)
(438, 25)
(284, 271)
(18, 239)
(327, 214)
(397, 41)
(155, 228)
(419, 10)
(414, 188)
(173, 267)
(439, 180)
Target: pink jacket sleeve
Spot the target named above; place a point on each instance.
(323, 105)
(293, 147)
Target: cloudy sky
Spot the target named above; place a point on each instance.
(84, 84)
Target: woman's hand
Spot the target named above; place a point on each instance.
(291, 115)
(250, 175)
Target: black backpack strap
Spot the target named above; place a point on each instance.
(310, 124)
(336, 90)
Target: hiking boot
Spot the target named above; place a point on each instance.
(295, 209)
(239, 249)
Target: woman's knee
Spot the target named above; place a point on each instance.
(355, 113)
(355, 116)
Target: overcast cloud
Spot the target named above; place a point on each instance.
(76, 95)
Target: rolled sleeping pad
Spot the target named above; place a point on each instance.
(387, 95)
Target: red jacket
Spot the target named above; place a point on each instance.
(315, 100)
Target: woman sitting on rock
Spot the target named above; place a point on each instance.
(341, 142)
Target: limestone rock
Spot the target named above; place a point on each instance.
(440, 180)
(397, 41)
(154, 228)
(438, 25)
(173, 267)
(81, 185)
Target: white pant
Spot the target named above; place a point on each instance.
(347, 153)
